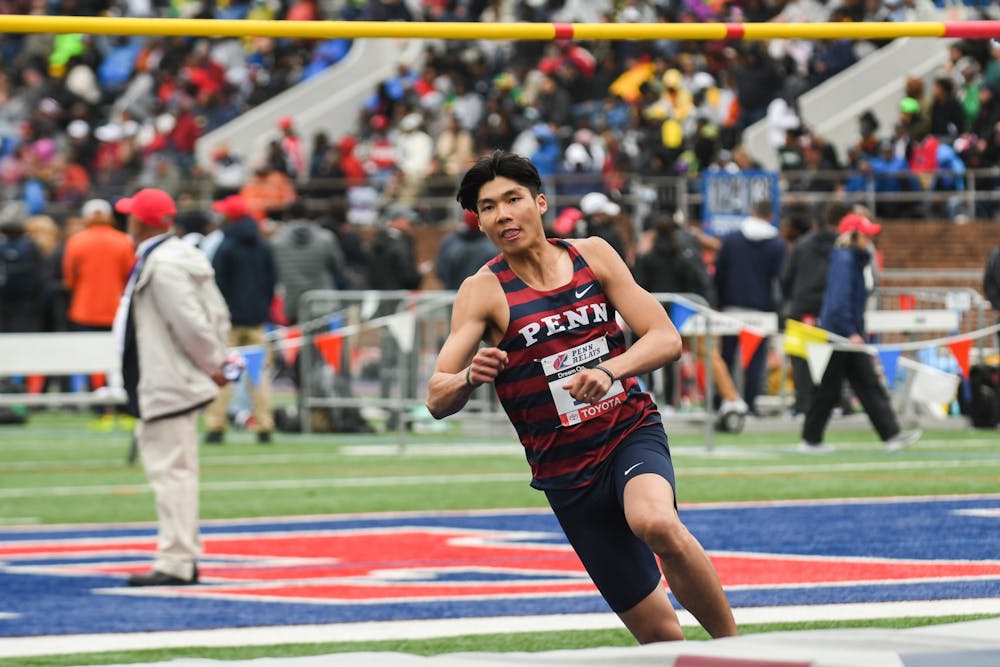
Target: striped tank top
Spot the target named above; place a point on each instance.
(552, 334)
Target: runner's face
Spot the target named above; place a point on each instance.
(508, 214)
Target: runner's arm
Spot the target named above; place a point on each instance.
(657, 339)
(461, 365)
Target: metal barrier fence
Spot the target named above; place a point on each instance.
(373, 352)
(384, 346)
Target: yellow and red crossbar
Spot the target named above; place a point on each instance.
(12, 23)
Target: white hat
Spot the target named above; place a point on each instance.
(95, 206)
(577, 156)
(165, 122)
(78, 129)
(702, 81)
(109, 132)
(410, 122)
(598, 202)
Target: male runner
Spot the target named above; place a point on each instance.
(560, 366)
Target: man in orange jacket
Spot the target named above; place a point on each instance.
(96, 264)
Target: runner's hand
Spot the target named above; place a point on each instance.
(589, 385)
(486, 365)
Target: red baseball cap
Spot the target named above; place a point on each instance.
(471, 219)
(285, 122)
(858, 223)
(151, 206)
(232, 207)
(564, 224)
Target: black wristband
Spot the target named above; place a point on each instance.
(468, 377)
(607, 372)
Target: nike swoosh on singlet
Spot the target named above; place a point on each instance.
(633, 467)
(579, 293)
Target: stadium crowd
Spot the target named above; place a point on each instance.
(95, 117)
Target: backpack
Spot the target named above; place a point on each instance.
(991, 278)
(20, 268)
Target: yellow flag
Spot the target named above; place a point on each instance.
(799, 334)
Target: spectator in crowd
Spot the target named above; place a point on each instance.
(47, 235)
(171, 328)
(267, 191)
(392, 252)
(758, 82)
(455, 147)
(228, 172)
(884, 171)
(22, 273)
(156, 97)
(95, 267)
(947, 117)
(73, 225)
(192, 226)
(415, 148)
(803, 282)
(599, 217)
(842, 314)
(582, 164)
(247, 277)
(791, 154)
(463, 252)
(673, 264)
(747, 269)
(291, 148)
(307, 257)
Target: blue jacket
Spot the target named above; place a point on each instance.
(245, 272)
(843, 310)
(748, 266)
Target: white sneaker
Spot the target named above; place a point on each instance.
(902, 439)
(817, 448)
(738, 406)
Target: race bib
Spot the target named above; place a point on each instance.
(560, 367)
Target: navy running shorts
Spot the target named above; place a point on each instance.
(622, 566)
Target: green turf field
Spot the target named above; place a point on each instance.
(57, 470)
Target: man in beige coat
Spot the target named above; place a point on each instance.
(172, 328)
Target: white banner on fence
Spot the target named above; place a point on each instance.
(731, 322)
(818, 356)
(402, 326)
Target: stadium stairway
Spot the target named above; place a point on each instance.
(875, 82)
(328, 102)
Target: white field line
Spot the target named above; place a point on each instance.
(250, 522)
(245, 485)
(414, 452)
(453, 627)
(476, 447)
(486, 478)
(409, 480)
(420, 451)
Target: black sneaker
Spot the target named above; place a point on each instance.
(213, 438)
(264, 437)
(157, 578)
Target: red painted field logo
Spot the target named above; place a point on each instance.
(417, 564)
(385, 567)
